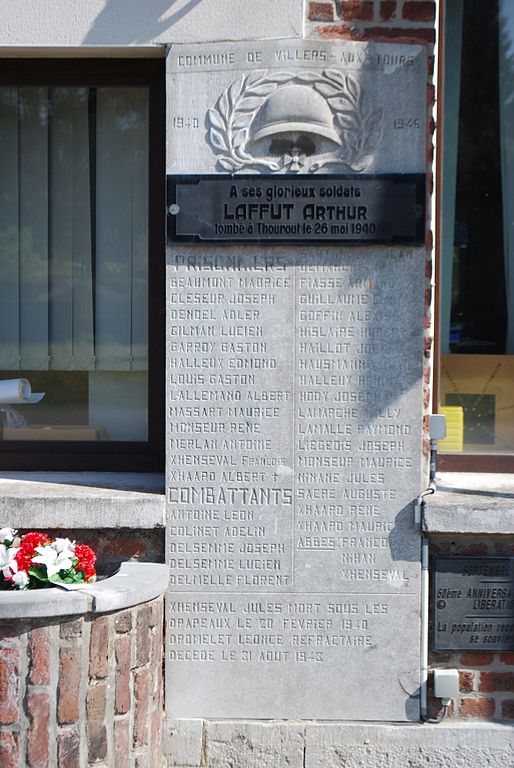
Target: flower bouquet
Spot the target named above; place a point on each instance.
(35, 560)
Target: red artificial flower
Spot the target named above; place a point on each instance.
(86, 561)
(27, 550)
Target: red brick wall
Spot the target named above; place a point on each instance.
(486, 682)
(409, 20)
(486, 679)
(83, 690)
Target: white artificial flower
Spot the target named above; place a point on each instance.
(8, 564)
(3, 555)
(21, 579)
(64, 544)
(53, 559)
(7, 534)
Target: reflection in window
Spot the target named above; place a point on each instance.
(477, 275)
(74, 260)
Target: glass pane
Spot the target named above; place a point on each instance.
(74, 263)
(477, 364)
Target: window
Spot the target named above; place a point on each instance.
(81, 262)
(476, 382)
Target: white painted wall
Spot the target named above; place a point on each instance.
(145, 22)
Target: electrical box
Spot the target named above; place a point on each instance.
(437, 426)
(446, 684)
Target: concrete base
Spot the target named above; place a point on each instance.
(279, 744)
(469, 503)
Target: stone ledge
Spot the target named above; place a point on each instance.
(62, 500)
(134, 583)
(471, 503)
(301, 744)
(445, 745)
(39, 604)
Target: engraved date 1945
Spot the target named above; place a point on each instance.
(406, 122)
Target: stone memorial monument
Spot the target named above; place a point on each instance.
(295, 272)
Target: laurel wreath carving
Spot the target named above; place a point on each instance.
(359, 126)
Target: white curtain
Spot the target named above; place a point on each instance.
(70, 294)
(506, 77)
(24, 228)
(450, 135)
(9, 231)
(73, 278)
(122, 229)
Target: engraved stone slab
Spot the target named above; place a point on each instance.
(296, 107)
(294, 402)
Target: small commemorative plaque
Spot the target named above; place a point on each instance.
(286, 209)
(474, 603)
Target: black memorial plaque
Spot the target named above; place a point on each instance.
(474, 603)
(292, 209)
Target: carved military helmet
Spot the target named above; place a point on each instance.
(294, 108)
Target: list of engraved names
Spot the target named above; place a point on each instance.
(292, 433)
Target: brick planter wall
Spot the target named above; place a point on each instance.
(82, 690)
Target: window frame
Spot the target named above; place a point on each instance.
(451, 462)
(113, 455)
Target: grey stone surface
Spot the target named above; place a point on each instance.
(183, 742)
(48, 602)
(293, 442)
(319, 669)
(134, 583)
(254, 745)
(81, 500)
(294, 396)
(346, 745)
(417, 746)
(469, 503)
(362, 106)
(62, 483)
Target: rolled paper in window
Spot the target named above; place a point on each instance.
(18, 392)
